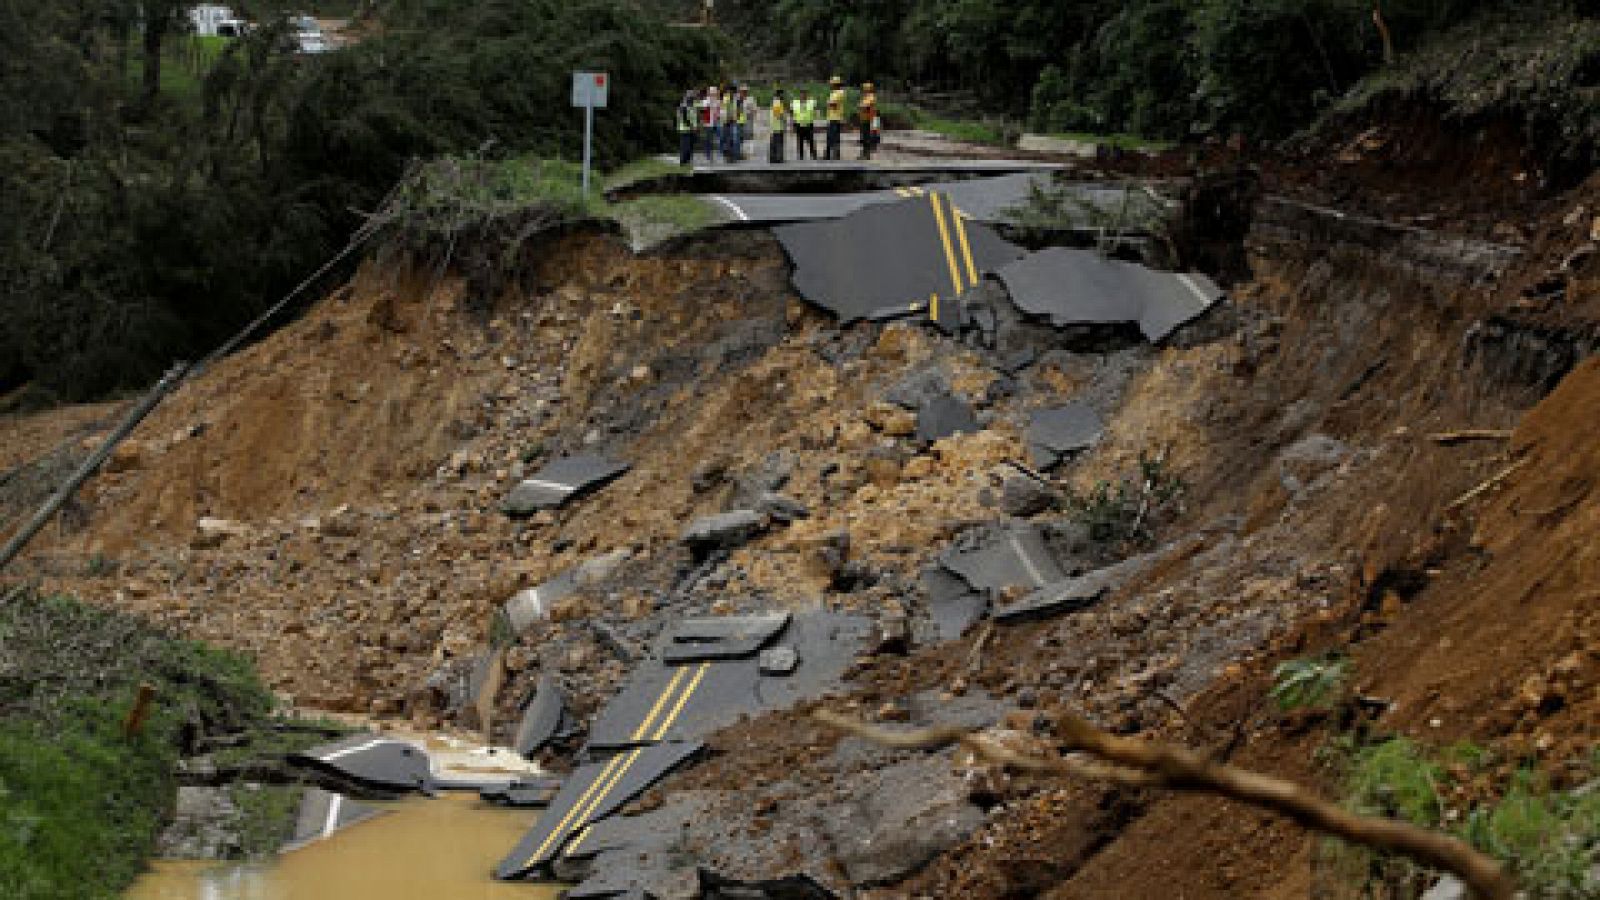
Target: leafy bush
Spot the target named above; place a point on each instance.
(1311, 683)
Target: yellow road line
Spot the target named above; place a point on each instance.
(682, 700)
(933, 307)
(644, 727)
(583, 800)
(633, 756)
(944, 238)
(966, 248)
(562, 826)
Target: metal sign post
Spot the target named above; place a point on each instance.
(589, 90)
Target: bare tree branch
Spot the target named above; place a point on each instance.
(1147, 763)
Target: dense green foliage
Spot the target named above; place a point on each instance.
(79, 803)
(1548, 839)
(1157, 68)
(143, 216)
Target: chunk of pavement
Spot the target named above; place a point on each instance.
(322, 813)
(780, 660)
(781, 508)
(721, 637)
(713, 694)
(1005, 558)
(723, 531)
(372, 761)
(952, 604)
(1073, 286)
(888, 258)
(913, 812)
(524, 793)
(533, 604)
(591, 793)
(1023, 496)
(542, 718)
(944, 415)
(1072, 594)
(561, 482)
(1057, 431)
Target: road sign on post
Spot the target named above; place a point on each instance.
(589, 90)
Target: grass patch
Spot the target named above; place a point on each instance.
(81, 803)
(1548, 839)
(641, 170)
(494, 206)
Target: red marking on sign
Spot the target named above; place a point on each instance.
(599, 81)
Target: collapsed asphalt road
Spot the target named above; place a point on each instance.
(915, 255)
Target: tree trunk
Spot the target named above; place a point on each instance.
(157, 16)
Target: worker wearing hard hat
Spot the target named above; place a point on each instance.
(805, 124)
(835, 114)
(867, 113)
(780, 125)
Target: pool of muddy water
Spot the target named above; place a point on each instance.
(420, 848)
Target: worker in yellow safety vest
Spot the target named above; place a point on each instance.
(867, 112)
(835, 113)
(780, 126)
(805, 124)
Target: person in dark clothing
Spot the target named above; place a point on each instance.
(688, 124)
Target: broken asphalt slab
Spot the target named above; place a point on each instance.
(372, 761)
(323, 813)
(531, 605)
(1070, 286)
(688, 702)
(561, 482)
(524, 793)
(591, 793)
(915, 255)
(543, 719)
(1072, 594)
(721, 637)
(944, 415)
(1002, 559)
(1061, 430)
(951, 604)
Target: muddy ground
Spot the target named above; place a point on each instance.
(327, 500)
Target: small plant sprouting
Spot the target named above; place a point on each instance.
(1126, 511)
(1309, 683)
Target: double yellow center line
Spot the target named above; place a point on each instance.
(953, 222)
(652, 729)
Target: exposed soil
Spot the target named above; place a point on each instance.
(327, 500)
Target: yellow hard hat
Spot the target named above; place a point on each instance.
(867, 87)
(836, 81)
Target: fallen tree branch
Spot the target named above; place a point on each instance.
(1146, 763)
(1470, 434)
(1485, 485)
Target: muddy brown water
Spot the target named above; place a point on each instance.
(440, 848)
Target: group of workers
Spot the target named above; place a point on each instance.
(721, 120)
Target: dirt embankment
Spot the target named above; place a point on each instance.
(327, 501)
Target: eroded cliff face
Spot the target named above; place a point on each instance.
(327, 501)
